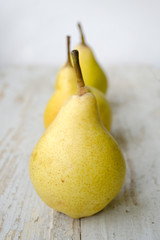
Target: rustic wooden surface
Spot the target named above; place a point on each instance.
(134, 214)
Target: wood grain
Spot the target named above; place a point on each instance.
(134, 214)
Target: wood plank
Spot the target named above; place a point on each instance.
(134, 95)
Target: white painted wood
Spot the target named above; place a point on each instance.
(134, 214)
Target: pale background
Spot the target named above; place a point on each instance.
(120, 32)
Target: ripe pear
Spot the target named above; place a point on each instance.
(66, 87)
(77, 167)
(92, 72)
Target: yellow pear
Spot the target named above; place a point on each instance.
(77, 167)
(66, 87)
(92, 73)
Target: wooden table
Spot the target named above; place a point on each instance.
(134, 95)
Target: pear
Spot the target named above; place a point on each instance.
(77, 167)
(66, 87)
(92, 73)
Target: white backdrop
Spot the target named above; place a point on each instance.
(33, 31)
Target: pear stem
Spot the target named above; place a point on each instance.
(80, 82)
(82, 35)
(68, 63)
